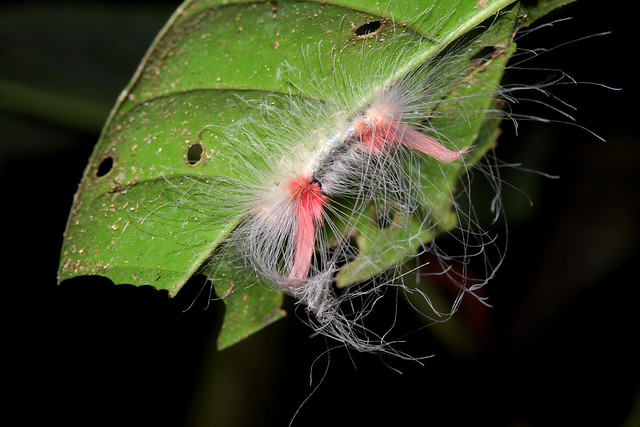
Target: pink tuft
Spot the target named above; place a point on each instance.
(415, 140)
(377, 127)
(309, 202)
(380, 126)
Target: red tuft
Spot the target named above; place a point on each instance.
(377, 130)
(309, 203)
(380, 126)
(417, 141)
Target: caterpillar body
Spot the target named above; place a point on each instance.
(330, 173)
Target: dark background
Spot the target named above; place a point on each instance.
(559, 346)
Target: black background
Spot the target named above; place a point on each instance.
(559, 346)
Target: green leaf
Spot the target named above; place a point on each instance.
(249, 305)
(152, 205)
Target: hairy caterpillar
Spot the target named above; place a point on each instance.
(331, 172)
(338, 164)
(352, 169)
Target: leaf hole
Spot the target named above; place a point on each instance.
(368, 29)
(105, 166)
(195, 154)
